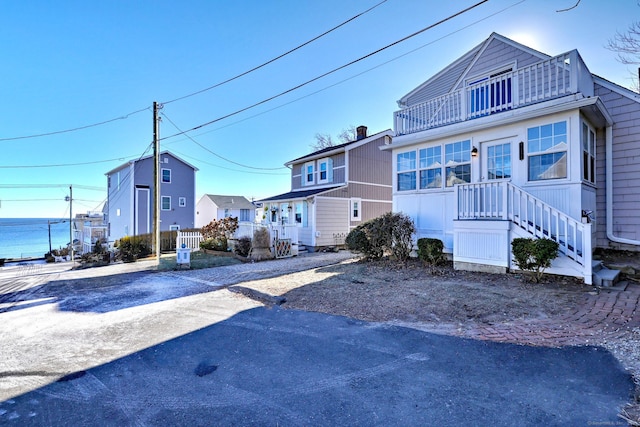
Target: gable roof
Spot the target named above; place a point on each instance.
(341, 148)
(130, 162)
(300, 194)
(461, 66)
(230, 202)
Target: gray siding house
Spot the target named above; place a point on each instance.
(509, 142)
(130, 196)
(335, 189)
(214, 206)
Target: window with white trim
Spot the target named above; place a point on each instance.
(356, 209)
(245, 215)
(406, 171)
(457, 160)
(308, 173)
(182, 202)
(325, 170)
(166, 203)
(166, 176)
(174, 227)
(547, 151)
(588, 153)
(431, 167)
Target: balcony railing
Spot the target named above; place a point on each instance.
(552, 78)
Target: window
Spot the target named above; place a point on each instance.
(356, 209)
(182, 202)
(300, 214)
(166, 175)
(588, 153)
(457, 160)
(547, 151)
(307, 174)
(227, 213)
(431, 167)
(166, 203)
(406, 169)
(499, 161)
(118, 212)
(174, 227)
(325, 170)
(245, 214)
(490, 94)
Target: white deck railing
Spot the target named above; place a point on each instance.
(503, 200)
(246, 229)
(552, 78)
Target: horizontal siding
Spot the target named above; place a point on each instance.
(499, 54)
(368, 163)
(371, 210)
(332, 220)
(338, 173)
(441, 85)
(626, 170)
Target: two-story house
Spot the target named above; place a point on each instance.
(215, 206)
(509, 142)
(130, 196)
(335, 189)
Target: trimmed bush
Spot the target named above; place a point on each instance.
(243, 246)
(533, 256)
(214, 244)
(261, 238)
(431, 250)
(130, 248)
(389, 233)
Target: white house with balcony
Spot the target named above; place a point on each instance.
(509, 142)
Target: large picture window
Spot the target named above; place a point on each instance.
(406, 170)
(457, 160)
(431, 167)
(547, 151)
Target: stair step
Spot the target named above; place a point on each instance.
(596, 266)
(605, 277)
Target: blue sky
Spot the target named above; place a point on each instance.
(70, 64)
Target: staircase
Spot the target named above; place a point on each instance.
(602, 276)
(530, 217)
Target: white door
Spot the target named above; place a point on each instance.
(496, 160)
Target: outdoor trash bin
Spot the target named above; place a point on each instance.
(183, 257)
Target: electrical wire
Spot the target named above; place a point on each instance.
(229, 169)
(271, 98)
(215, 154)
(122, 159)
(277, 57)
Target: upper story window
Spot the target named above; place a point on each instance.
(166, 175)
(325, 171)
(457, 158)
(431, 167)
(308, 174)
(588, 153)
(406, 171)
(182, 202)
(166, 203)
(547, 151)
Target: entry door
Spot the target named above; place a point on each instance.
(142, 212)
(496, 160)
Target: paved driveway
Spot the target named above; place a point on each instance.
(178, 349)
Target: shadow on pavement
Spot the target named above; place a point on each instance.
(288, 367)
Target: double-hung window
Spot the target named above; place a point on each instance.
(588, 153)
(547, 151)
(166, 203)
(356, 209)
(325, 170)
(308, 173)
(166, 175)
(457, 160)
(431, 167)
(406, 171)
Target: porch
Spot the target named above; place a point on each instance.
(490, 215)
(562, 75)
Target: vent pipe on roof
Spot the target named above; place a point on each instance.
(361, 133)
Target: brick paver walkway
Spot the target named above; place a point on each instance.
(608, 314)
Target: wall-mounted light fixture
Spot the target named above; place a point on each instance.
(474, 151)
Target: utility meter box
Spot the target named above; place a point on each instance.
(183, 257)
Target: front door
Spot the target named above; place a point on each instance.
(496, 160)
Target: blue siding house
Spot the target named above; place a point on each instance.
(130, 196)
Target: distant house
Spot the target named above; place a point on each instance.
(335, 189)
(213, 206)
(130, 196)
(509, 142)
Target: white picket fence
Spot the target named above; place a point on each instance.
(190, 239)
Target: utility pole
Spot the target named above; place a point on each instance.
(156, 179)
(70, 200)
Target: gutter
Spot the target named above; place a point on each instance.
(609, 189)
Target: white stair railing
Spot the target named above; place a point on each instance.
(505, 200)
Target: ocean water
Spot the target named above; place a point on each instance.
(29, 237)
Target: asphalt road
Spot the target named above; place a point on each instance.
(145, 349)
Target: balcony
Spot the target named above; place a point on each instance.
(552, 78)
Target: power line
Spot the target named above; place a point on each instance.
(215, 154)
(229, 169)
(121, 159)
(277, 57)
(264, 101)
(83, 187)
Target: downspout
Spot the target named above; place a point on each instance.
(609, 189)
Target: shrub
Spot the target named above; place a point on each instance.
(389, 233)
(261, 238)
(214, 244)
(533, 256)
(431, 250)
(243, 246)
(220, 228)
(130, 248)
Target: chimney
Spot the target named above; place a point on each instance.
(361, 133)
